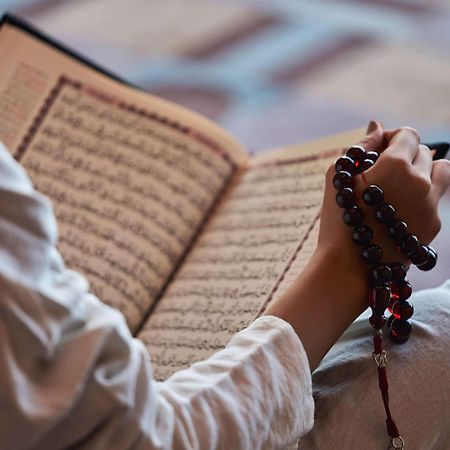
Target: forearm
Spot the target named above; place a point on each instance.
(323, 301)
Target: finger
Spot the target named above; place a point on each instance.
(373, 140)
(440, 177)
(403, 143)
(424, 160)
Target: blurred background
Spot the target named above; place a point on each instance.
(275, 72)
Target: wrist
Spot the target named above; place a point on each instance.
(343, 276)
(323, 301)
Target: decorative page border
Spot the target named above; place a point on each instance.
(288, 266)
(114, 101)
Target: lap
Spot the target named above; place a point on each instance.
(349, 411)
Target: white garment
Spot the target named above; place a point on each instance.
(72, 376)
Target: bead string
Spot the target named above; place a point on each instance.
(389, 287)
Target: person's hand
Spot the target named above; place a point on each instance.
(332, 289)
(412, 182)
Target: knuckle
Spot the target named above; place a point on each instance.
(411, 130)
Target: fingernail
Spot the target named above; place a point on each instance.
(372, 126)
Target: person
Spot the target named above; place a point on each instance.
(72, 376)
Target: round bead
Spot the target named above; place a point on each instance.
(377, 321)
(345, 198)
(373, 195)
(353, 216)
(403, 310)
(362, 235)
(372, 254)
(366, 164)
(342, 180)
(398, 271)
(400, 330)
(397, 230)
(409, 244)
(431, 262)
(401, 290)
(345, 164)
(357, 153)
(420, 256)
(372, 156)
(385, 213)
(381, 274)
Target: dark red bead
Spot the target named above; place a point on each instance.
(397, 230)
(389, 321)
(377, 321)
(398, 271)
(403, 310)
(362, 235)
(357, 153)
(345, 198)
(382, 297)
(372, 156)
(372, 254)
(385, 213)
(379, 297)
(420, 256)
(409, 244)
(391, 304)
(400, 331)
(366, 164)
(345, 164)
(358, 167)
(431, 262)
(373, 195)
(381, 274)
(353, 216)
(342, 180)
(401, 290)
(372, 298)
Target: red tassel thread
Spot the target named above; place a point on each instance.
(380, 358)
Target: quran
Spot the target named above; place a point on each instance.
(168, 217)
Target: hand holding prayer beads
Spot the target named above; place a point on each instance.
(411, 185)
(382, 279)
(388, 285)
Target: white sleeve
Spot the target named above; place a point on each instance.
(72, 376)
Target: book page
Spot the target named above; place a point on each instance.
(259, 237)
(131, 177)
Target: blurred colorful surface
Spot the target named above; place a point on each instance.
(275, 72)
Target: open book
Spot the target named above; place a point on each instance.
(167, 216)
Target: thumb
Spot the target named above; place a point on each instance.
(440, 177)
(374, 139)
